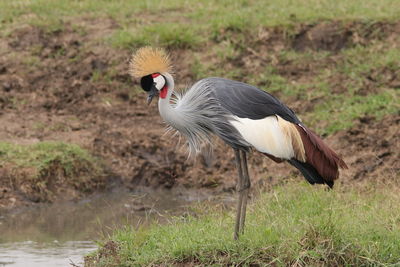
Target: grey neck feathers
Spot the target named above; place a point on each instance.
(197, 114)
(183, 114)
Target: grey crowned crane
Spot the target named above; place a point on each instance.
(243, 116)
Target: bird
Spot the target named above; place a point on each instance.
(245, 117)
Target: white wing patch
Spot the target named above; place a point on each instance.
(265, 135)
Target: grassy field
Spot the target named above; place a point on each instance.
(259, 42)
(206, 15)
(294, 224)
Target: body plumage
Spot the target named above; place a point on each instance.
(208, 107)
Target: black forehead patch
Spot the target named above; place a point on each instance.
(146, 82)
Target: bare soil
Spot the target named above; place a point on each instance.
(70, 86)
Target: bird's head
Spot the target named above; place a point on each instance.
(151, 65)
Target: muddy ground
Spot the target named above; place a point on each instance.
(71, 86)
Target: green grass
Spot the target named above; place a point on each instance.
(233, 14)
(293, 224)
(166, 35)
(340, 112)
(40, 155)
(39, 170)
(208, 19)
(354, 71)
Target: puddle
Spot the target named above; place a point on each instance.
(61, 234)
(34, 254)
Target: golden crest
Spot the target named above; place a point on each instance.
(148, 60)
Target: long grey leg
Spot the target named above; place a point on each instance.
(238, 188)
(244, 190)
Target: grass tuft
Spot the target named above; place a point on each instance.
(168, 35)
(40, 155)
(40, 170)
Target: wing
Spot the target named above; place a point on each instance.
(246, 101)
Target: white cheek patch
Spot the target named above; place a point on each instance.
(159, 81)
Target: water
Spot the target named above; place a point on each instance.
(34, 254)
(61, 234)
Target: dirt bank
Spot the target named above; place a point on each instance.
(69, 86)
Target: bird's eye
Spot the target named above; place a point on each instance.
(159, 81)
(146, 83)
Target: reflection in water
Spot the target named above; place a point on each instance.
(52, 235)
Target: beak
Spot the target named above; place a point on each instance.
(153, 92)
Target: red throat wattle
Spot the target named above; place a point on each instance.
(163, 92)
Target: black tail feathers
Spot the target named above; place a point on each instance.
(310, 173)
